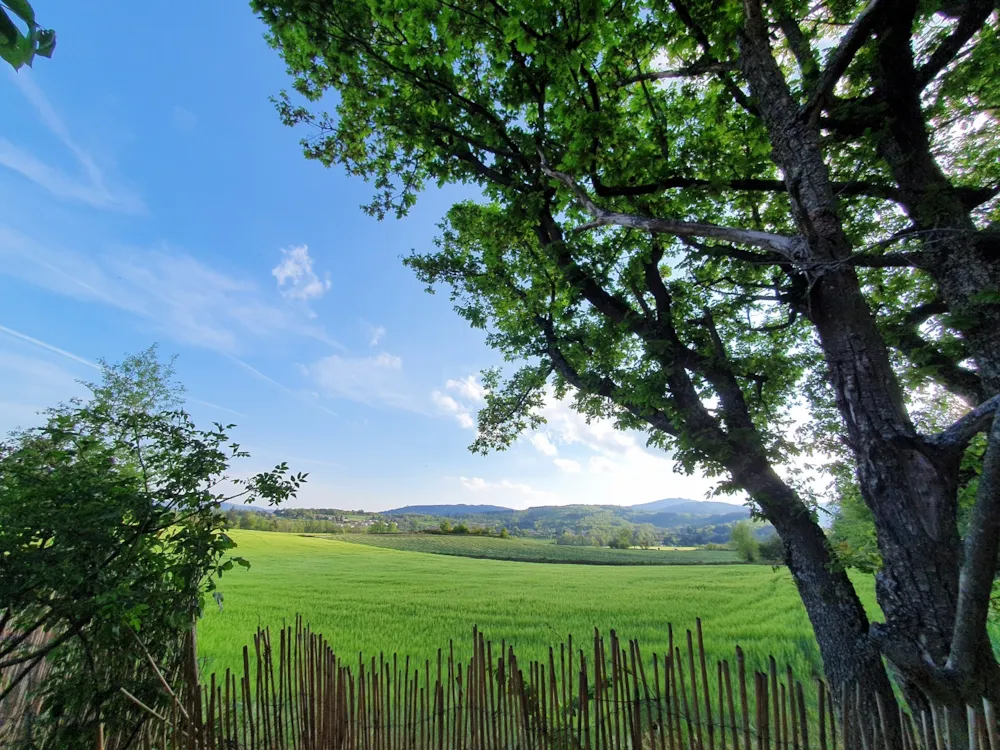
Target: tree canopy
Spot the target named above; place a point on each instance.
(695, 216)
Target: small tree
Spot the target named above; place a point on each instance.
(645, 536)
(111, 536)
(745, 542)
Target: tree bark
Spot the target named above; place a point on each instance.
(909, 486)
(955, 663)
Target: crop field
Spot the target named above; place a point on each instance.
(364, 598)
(537, 550)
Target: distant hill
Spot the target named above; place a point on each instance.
(448, 511)
(666, 503)
(692, 507)
(241, 506)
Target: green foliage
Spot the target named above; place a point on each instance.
(383, 527)
(19, 47)
(772, 550)
(110, 539)
(744, 541)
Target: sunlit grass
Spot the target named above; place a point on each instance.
(538, 550)
(373, 600)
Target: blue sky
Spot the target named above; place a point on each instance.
(150, 194)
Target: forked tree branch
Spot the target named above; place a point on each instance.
(957, 437)
(786, 246)
(841, 58)
(975, 15)
(979, 566)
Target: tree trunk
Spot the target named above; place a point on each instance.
(953, 661)
(838, 618)
(910, 486)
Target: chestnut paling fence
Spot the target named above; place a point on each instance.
(294, 692)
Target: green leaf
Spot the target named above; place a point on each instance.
(22, 9)
(9, 33)
(18, 53)
(46, 43)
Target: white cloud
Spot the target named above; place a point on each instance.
(468, 395)
(468, 388)
(184, 120)
(91, 188)
(567, 465)
(171, 292)
(543, 445)
(376, 334)
(602, 465)
(296, 277)
(445, 403)
(369, 380)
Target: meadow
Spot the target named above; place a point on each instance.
(537, 550)
(370, 599)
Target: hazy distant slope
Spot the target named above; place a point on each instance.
(448, 510)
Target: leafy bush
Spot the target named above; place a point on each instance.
(110, 539)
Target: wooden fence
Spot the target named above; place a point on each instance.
(294, 692)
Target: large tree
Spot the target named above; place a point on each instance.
(691, 208)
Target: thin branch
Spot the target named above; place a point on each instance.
(787, 246)
(849, 45)
(706, 46)
(976, 14)
(799, 44)
(704, 66)
(956, 437)
(851, 188)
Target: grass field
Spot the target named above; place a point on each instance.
(364, 598)
(537, 550)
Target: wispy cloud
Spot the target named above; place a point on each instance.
(49, 347)
(369, 380)
(504, 486)
(91, 187)
(567, 465)
(93, 365)
(375, 335)
(181, 297)
(296, 277)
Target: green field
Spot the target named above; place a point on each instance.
(537, 550)
(364, 598)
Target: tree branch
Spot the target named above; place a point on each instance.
(706, 46)
(979, 566)
(852, 188)
(905, 336)
(784, 245)
(957, 437)
(972, 20)
(602, 386)
(701, 67)
(841, 58)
